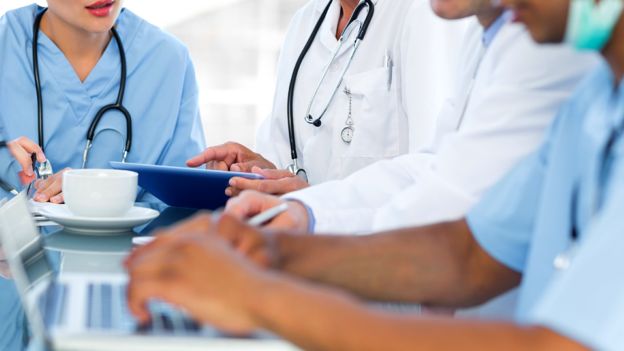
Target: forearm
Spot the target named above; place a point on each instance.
(436, 265)
(348, 206)
(322, 319)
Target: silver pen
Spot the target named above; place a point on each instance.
(255, 221)
(261, 217)
(389, 65)
(267, 215)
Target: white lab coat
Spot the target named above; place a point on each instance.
(517, 91)
(420, 45)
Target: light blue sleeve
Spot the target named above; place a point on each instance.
(502, 222)
(586, 302)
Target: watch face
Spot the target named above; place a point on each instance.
(347, 134)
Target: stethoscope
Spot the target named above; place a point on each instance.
(563, 260)
(117, 106)
(310, 118)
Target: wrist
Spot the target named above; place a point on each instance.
(303, 216)
(265, 289)
(286, 248)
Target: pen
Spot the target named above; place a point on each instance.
(267, 215)
(388, 64)
(255, 221)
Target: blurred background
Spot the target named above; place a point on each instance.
(234, 45)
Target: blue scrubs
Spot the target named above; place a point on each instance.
(161, 94)
(525, 221)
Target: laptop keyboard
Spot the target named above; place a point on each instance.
(52, 304)
(107, 309)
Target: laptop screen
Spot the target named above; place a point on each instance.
(30, 268)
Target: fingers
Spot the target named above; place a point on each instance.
(49, 188)
(241, 236)
(22, 150)
(250, 203)
(26, 179)
(217, 165)
(5, 271)
(268, 186)
(156, 278)
(272, 173)
(58, 199)
(200, 223)
(32, 148)
(232, 192)
(257, 162)
(140, 292)
(226, 153)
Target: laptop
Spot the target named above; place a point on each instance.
(77, 312)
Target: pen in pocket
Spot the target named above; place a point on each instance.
(389, 65)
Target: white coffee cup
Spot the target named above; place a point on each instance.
(99, 192)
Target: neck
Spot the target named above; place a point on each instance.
(347, 7)
(489, 15)
(81, 48)
(614, 51)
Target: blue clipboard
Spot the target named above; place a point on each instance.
(184, 187)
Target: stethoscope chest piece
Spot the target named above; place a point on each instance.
(299, 172)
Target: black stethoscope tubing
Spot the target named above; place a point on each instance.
(302, 55)
(117, 106)
(614, 136)
(563, 260)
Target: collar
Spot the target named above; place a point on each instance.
(490, 33)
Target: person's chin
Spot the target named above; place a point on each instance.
(101, 26)
(542, 37)
(444, 9)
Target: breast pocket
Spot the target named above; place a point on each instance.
(376, 126)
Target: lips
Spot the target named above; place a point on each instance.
(101, 4)
(101, 8)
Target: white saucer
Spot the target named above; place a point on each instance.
(98, 225)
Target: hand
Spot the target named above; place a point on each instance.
(51, 189)
(275, 182)
(5, 271)
(229, 157)
(22, 150)
(220, 293)
(257, 245)
(250, 203)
